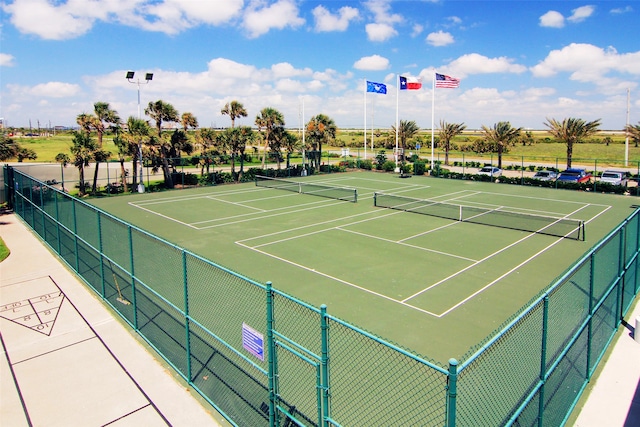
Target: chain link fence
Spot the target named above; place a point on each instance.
(262, 357)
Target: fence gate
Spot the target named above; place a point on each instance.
(298, 366)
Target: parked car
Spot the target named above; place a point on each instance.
(574, 175)
(614, 177)
(545, 175)
(490, 171)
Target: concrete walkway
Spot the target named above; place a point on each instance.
(67, 361)
(614, 396)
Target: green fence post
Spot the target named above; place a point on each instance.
(58, 224)
(133, 281)
(75, 234)
(595, 172)
(324, 326)
(452, 392)
(590, 324)
(543, 360)
(101, 254)
(271, 361)
(187, 325)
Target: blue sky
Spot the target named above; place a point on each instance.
(518, 61)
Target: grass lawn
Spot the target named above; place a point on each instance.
(4, 250)
(543, 151)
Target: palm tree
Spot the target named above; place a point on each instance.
(82, 150)
(124, 149)
(633, 132)
(268, 119)
(406, 130)
(446, 133)
(320, 129)
(161, 111)
(572, 131)
(188, 120)
(137, 135)
(103, 114)
(85, 121)
(502, 135)
(99, 155)
(206, 138)
(246, 136)
(234, 109)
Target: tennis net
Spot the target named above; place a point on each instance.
(339, 193)
(552, 226)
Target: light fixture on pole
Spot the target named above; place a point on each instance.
(148, 77)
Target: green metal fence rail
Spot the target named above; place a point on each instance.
(264, 358)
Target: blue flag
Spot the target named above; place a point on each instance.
(376, 87)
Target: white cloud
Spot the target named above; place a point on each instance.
(46, 90)
(621, 10)
(49, 21)
(440, 38)
(68, 19)
(325, 21)
(552, 19)
(474, 63)
(259, 19)
(381, 10)
(382, 28)
(371, 63)
(416, 30)
(587, 63)
(380, 32)
(581, 13)
(284, 69)
(6, 60)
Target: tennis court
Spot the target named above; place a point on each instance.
(436, 266)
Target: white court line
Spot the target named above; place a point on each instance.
(486, 258)
(235, 204)
(399, 242)
(338, 280)
(167, 217)
(316, 224)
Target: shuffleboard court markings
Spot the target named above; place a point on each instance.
(36, 312)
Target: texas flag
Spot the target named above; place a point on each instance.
(410, 83)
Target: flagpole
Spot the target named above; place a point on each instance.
(365, 119)
(626, 141)
(433, 113)
(397, 103)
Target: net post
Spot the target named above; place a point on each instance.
(355, 195)
(375, 198)
(452, 392)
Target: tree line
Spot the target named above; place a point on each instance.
(136, 140)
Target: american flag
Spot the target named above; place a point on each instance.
(446, 81)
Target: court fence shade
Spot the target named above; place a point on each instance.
(264, 358)
(498, 217)
(332, 192)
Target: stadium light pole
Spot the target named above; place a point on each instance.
(147, 78)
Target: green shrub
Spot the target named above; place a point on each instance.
(388, 166)
(419, 168)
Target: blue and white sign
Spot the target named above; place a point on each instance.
(253, 341)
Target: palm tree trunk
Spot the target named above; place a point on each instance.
(569, 153)
(95, 178)
(168, 182)
(123, 175)
(446, 153)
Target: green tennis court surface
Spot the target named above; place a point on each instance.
(434, 284)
